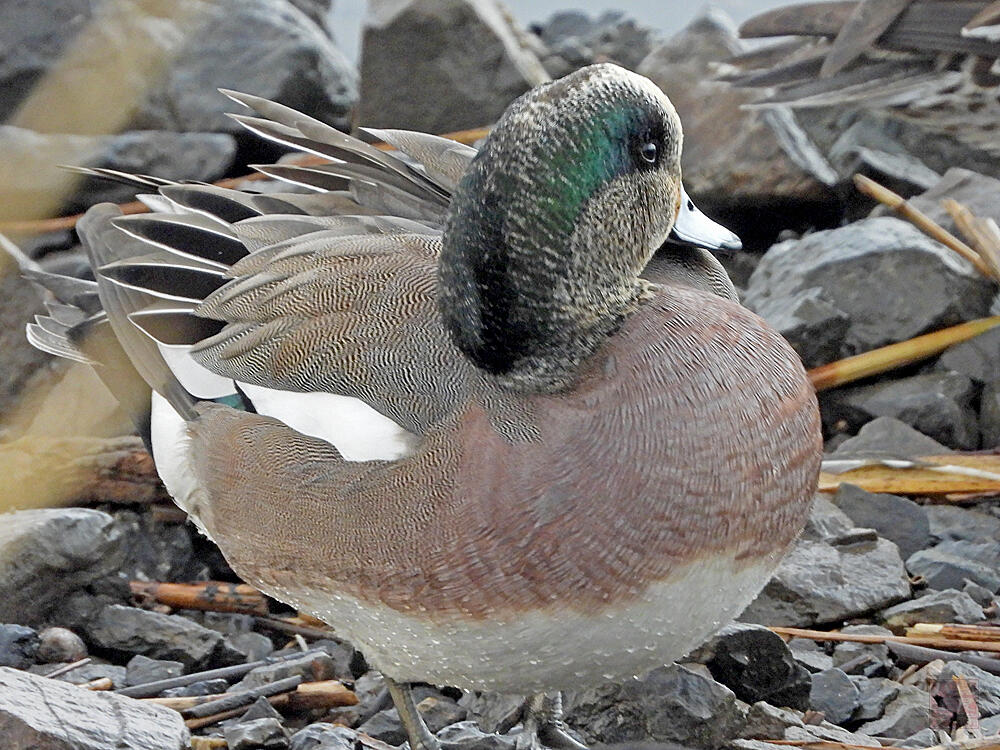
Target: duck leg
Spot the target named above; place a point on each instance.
(419, 735)
(544, 726)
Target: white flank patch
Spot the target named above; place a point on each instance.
(353, 427)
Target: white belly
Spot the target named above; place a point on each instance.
(546, 651)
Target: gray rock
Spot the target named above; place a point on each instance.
(95, 670)
(18, 646)
(311, 667)
(979, 594)
(322, 736)
(989, 415)
(952, 523)
(465, 735)
(157, 551)
(826, 522)
(436, 710)
(343, 655)
(978, 358)
(669, 704)
(907, 714)
(44, 714)
(439, 712)
(267, 47)
(814, 327)
(874, 694)
(128, 630)
(834, 694)
(250, 646)
(939, 606)
(938, 404)
(867, 147)
(757, 665)
(492, 712)
(385, 726)
(261, 709)
(825, 731)
(977, 192)
(259, 734)
(863, 266)
(565, 24)
(990, 726)
(822, 582)
(810, 654)
(46, 555)
(949, 564)
(861, 658)
(889, 436)
(465, 61)
(60, 645)
(141, 669)
(613, 36)
(895, 518)
(924, 738)
(985, 688)
(768, 722)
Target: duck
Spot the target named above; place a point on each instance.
(933, 63)
(436, 402)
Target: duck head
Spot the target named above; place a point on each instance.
(576, 187)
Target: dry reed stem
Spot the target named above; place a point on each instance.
(920, 481)
(942, 643)
(889, 357)
(921, 221)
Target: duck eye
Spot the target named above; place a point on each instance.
(648, 152)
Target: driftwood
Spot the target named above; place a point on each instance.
(215, 596)
(907, 653)
(78, 470)
(310, 695)
(227, 702)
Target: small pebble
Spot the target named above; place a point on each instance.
(60, 645)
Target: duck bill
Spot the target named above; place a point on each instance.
(693, 228)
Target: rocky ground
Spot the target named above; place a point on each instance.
(835, 274)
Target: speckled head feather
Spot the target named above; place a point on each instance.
(576, 187)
